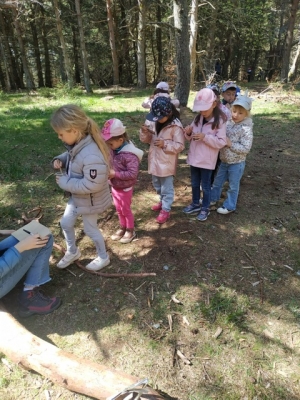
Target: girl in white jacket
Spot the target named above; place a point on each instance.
(86, 162)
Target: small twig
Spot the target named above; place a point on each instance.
(67, 269)
(206, 374)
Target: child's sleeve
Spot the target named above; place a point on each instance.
(176, 144)
(145, 137)
(217, 140)
(132, 168)
(244, 144)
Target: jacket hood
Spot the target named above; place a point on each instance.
(130, 148)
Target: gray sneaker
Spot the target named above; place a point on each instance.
(68, 259)
(192, 208)
(203, 215)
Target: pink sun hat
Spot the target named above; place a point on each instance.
(112, 128)
(204, 100)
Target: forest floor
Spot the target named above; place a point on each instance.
(236, 277)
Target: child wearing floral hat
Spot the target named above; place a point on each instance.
(206, 134)
(125, 160)
(166, 141)
(239, 134)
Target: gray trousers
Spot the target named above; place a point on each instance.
(90, 228)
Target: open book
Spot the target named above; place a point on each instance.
(33, 227)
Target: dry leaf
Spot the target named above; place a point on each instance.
(170, 321)
(175, 300)
(217, 333)
(183, 357)
(185, 321)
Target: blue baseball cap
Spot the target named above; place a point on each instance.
(161, 107)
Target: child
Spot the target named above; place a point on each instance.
(215, 88)
(87, 166)
(166, 142)
(207, 134)
(228, 93)
(162, 89)
(123, 175)
(233, 156)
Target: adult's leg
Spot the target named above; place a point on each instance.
(92, 230)
(220, 179)
(235, 173)
(167, 192)
(35, 262)
(67, 224)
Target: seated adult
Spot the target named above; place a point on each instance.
(29, 257)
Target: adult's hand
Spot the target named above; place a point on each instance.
(31, 242)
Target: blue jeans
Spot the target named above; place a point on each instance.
(165, 189)
(34, 263)
(201, 176)
(90, 226)
(233, 174)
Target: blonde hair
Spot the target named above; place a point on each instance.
(70, 116)
(240, 108)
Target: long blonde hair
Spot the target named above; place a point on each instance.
(70, 116)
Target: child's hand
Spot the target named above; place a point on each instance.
(112, 173)
(188, 130)
(198, 136)
(146, 129)
(57, 164)
(228, 142)
(228, 106)
(159, 143)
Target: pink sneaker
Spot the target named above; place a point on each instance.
(156, 207)
(163, 217)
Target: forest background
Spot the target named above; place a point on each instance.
(56, 52)
(137, 42)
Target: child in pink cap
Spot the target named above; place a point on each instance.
(207, 135)
(125, 159)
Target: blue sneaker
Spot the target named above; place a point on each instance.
(203, 215)
(192, 208)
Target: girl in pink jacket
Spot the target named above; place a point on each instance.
(166, 139)
(207, 135)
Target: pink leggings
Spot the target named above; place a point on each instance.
(122, 201)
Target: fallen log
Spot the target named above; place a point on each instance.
(63, 368)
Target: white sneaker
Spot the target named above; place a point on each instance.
(68, 259)
(98, 263)
(223, 210)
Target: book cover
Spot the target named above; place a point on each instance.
(33, 227)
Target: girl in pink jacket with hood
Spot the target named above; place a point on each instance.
(166, 139)
(207, 135)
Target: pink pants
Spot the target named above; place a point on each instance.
(122, 201)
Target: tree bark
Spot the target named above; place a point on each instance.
(182, 89)
(86, 75)
(62, 368)
(36, 48)
(67, 62)
(44, 32)
(6, 69)
(193, 39)
(141, 61)
(27, 73)
(288, 42)
(112, 42)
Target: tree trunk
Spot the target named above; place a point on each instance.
(62, 368)
(27, 73)
(86, 75)
(193, 39)
(44, 32)
(36, 48)
(67, 62)
(288, 42)
(159, 47)
(141, 60)
(6, 69)
(293, 69)
(112, 42)
(182, 89)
